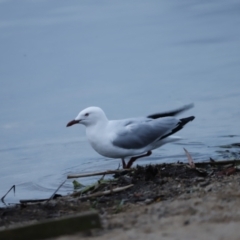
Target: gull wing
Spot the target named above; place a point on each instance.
(138, 133)
(171, 113)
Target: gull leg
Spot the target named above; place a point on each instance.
(133, 159)
(123, 163)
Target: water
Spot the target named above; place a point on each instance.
(132, 58)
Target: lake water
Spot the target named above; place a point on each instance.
(131, 58)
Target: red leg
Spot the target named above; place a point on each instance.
(123, 163)
(133, 159)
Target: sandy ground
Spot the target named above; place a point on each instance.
(166, 202)
(211, 212)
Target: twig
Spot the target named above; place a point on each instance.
(98, 194)
(190, 160)
(27, 201)
(55, 192)
(99, 181)
(2, 199)
(45, 199)
(119, 165)
(97, 173)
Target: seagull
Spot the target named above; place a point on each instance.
(132, 137)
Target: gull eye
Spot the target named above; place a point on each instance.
(86, 114)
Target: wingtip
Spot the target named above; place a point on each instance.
(172, 113)
(187, 119)
(186, 107)
(192, 118)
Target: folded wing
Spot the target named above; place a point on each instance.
(138, 133)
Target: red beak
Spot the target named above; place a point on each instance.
(72, 123)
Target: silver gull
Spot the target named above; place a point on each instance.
(132, 137)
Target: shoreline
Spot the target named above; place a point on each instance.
(163, 198)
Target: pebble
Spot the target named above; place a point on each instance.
(208, 188)
(148, 201)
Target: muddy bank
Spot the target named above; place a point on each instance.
(158, 197)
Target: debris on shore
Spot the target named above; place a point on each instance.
(140, 185)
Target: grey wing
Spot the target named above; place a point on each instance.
(138, 133)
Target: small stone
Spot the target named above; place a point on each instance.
(200, 179)
(126, 179)
(208, 188)
(204, 184)
(148, 201)
(187, 222)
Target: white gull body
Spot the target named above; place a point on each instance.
(128, 137)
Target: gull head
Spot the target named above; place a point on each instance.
(89, 116)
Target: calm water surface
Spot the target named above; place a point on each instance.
(132, 58)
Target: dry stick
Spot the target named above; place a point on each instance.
(98, 194)
(101, 178)
(97, 173)
(55, 191)
(42, 200)
(27, 201)
(190, 160)
(13, 187)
